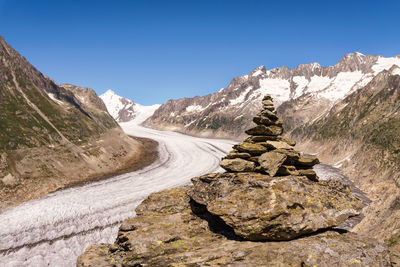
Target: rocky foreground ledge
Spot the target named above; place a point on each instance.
(268, 209)
(173, 230)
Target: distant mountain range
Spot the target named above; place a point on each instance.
(302, 94)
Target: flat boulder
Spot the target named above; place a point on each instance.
(277, 145)
(251, 148)
(307, 161)
(260, 207)
(260, 119)
(261, 138)
(292, 156)
(234, 155)
(270, 114)
(271, 161)
(267, 102)
(290, 142)
(237, 165)
(263, 120)
(265, 130)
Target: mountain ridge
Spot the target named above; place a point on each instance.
(226, 113)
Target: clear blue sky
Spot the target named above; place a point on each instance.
(152, 51)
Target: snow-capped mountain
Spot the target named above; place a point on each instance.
(124, 110)
(302, 94)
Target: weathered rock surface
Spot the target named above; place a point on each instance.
(287, 170)
(265, 130)
(253, 149)
(307, 162)
(271, 145)
(237, 165)
(260, 207)
(271, 161)
(266, 121)
(233, 155)
(170, 230)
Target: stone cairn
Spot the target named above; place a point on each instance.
(266, 151)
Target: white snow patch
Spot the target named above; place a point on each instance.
(143, 112)
(256, 73)
(194, 108)
(315, 65)
(341, 85)
(363, 81)
(238, 117)
(396, 71)
(52, 96)
(301, 82)
(190, 123)
(241, 97)
(82, 99)
(114, 103)
(384, 63)
(340, 163)
(279, 89)
(318, 83)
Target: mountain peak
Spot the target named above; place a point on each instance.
(109, 92)
(258, 71)
(354, 62)
(353, 56)
(120, 108)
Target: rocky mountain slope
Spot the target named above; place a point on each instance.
(361, 135)
(51, 135)
(123, 109)
(261, 212)
(302, 94)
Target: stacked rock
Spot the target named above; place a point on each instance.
(266, 151)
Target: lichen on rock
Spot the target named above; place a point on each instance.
(261, 207)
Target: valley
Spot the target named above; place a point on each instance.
(55, 229)
(70, 174)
